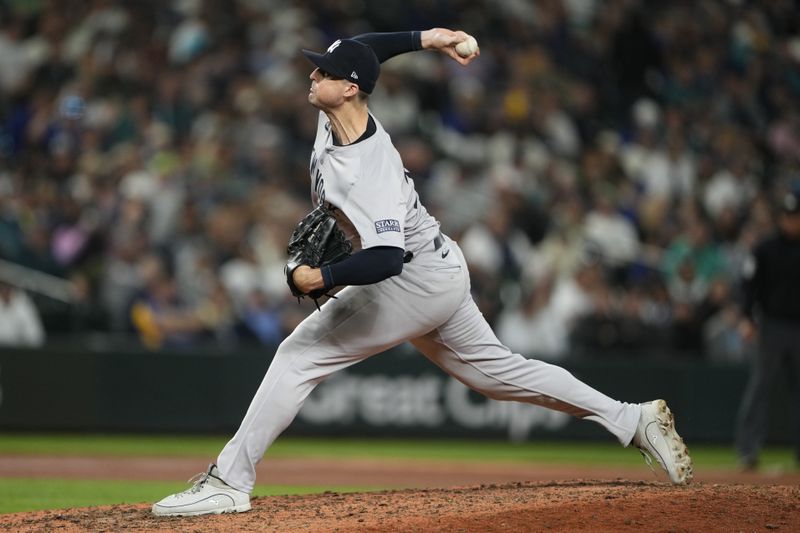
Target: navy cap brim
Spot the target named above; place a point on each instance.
(323, 62)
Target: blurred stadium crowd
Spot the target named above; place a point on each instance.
(605, 165)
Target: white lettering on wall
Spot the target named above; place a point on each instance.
(378, 399)
(480, 413)
(425, 400)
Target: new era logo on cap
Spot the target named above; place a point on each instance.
(351, 60)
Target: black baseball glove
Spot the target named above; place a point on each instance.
(316, 241)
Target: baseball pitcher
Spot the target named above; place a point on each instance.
(404, 280)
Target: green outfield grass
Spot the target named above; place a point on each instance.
(472, 450)
(31, 494)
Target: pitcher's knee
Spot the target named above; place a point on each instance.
(292, 346)
(283, 353)
(288, 358)
(297, 362)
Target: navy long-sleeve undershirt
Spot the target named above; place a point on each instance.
(389, 44)
(365, 267)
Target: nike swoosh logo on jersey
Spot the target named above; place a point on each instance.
(444, 254)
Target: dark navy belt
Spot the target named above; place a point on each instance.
(438, 242)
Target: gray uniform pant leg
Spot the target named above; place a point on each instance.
(429, 304)
(778, 350)
(466, 348)
(360, 322)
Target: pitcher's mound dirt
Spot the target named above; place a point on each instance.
(583, 505)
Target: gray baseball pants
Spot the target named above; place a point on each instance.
(428, 304)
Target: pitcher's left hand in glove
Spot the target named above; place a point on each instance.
(316, 241)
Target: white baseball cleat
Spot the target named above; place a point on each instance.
(656, 438)
(208, 495)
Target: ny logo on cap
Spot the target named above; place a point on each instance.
(334, 46)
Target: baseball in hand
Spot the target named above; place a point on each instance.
(468, 47)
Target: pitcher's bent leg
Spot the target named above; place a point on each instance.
(361, 322)
(467, 348)
(314, 351)
(280, 396)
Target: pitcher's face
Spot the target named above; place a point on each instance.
(327, 91)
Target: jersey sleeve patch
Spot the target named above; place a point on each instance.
(389, 224)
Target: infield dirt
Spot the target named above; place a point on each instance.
(550, 499)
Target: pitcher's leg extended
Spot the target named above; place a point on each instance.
(467, 348)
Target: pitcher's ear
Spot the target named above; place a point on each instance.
(352, 90)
